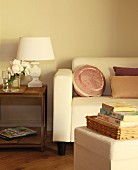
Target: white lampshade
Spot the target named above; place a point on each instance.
(35, 49)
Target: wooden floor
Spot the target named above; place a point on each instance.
(34, 159)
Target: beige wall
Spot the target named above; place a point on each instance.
(76, 27)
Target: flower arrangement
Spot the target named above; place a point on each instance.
(17, 68)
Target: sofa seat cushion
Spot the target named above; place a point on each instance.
(88, 106)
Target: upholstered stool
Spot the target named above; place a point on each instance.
(93, 151)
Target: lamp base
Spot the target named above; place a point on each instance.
(35, 83)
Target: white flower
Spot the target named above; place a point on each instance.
(26, 65)
(18, 67)
(16, 62)
(26, 72)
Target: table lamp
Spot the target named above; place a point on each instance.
(34, 49)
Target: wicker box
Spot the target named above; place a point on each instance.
(110, 130)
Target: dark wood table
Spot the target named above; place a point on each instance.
(32, 140)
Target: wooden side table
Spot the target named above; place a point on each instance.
(34, 140)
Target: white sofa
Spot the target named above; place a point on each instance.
(69, 111)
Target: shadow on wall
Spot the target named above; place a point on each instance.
(8, 49)
(64, 64)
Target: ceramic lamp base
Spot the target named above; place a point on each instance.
(35, 72)
(35, 83)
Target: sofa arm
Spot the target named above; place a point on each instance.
(62, 105)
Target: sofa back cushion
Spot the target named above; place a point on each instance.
(125, 71)
(124, 86)
(105, 64)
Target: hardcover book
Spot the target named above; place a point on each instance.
(115, 121)
(119, 107)
(126, 116)
(106, 112)
(17, 132)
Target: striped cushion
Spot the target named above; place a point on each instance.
(88, 81)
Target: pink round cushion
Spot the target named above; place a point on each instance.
(88, 81)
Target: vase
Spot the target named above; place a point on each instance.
(10, 83)
(15, 84)
(5, 81)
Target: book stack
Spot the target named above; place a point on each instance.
(117, 120)
(119, 114)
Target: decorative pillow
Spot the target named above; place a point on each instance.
(125, 71)
(88, 81)
(124, 86)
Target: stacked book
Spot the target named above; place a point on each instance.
(118, 120)
(120, 114)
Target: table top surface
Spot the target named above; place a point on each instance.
(25, 90)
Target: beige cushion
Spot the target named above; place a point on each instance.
(124, 86)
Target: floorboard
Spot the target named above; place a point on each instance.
(34, 159)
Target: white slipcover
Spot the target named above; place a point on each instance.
(69, 112)
(93, 151)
